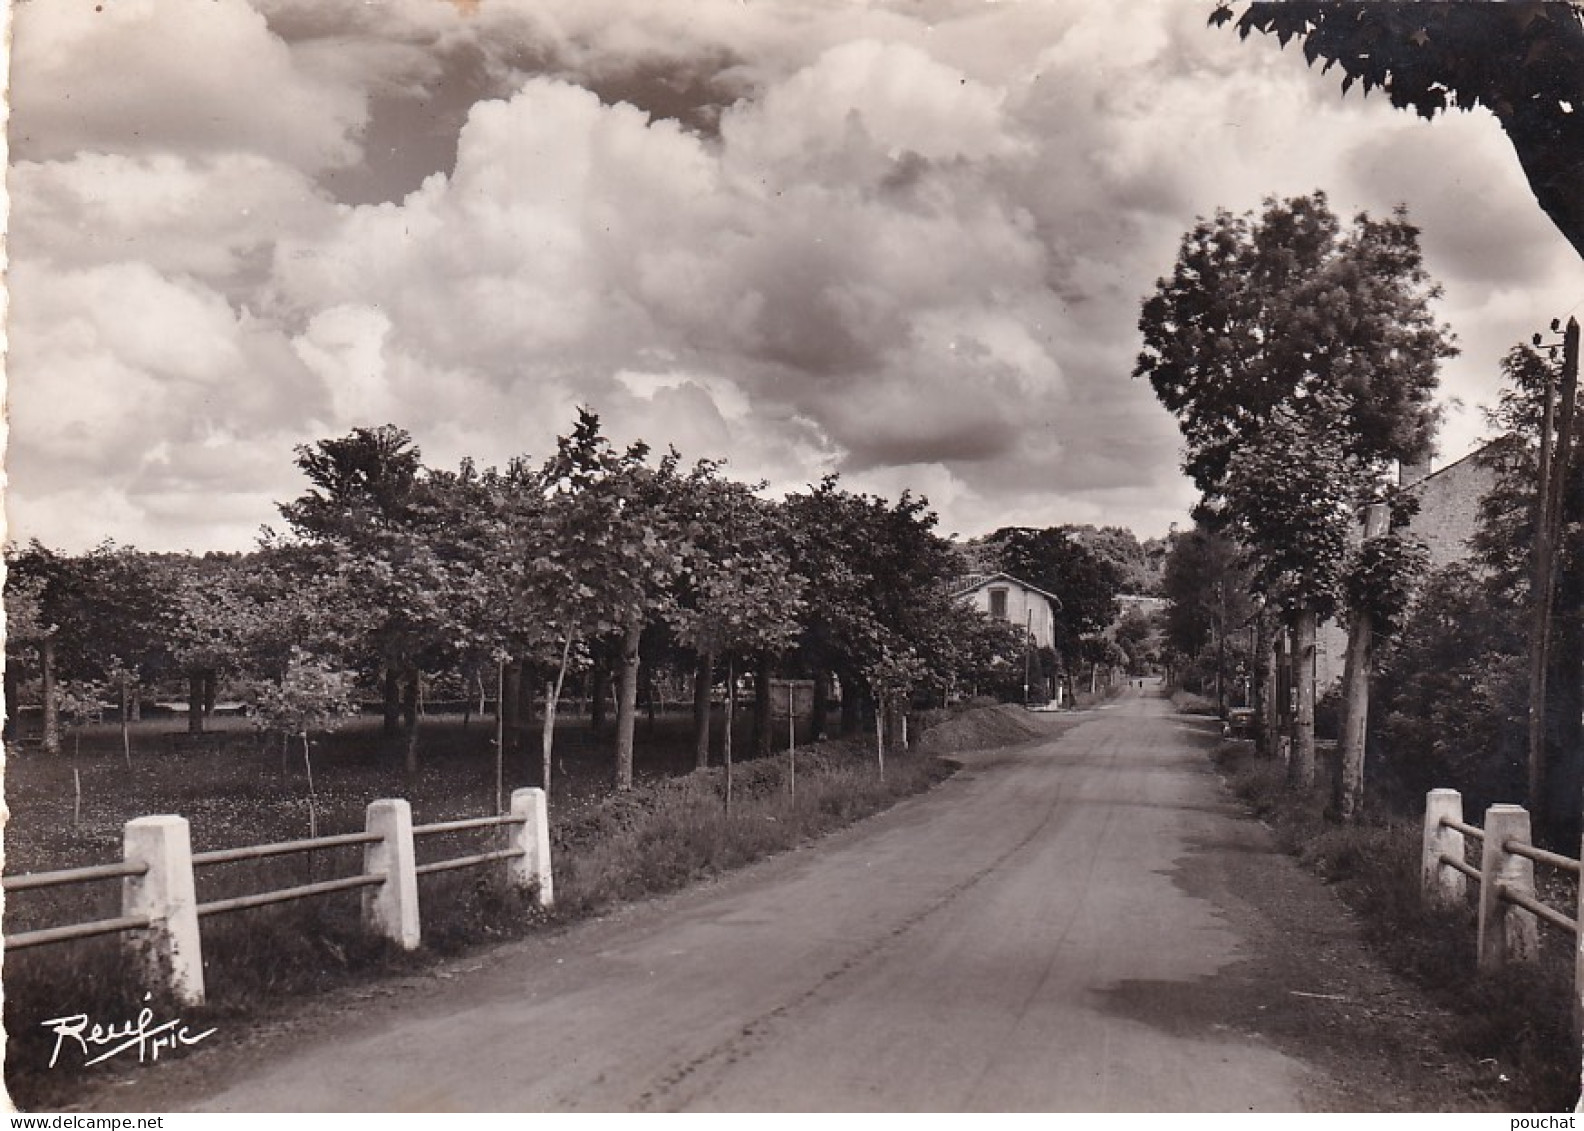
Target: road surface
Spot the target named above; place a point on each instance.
(1042, 932)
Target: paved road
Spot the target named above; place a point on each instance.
(972, 949)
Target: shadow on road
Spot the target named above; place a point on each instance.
(1306, 984)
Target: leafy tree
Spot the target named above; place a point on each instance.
(1453, 691)
(1504, 545)
(1300, 359)
(83, 617)
(615, 546)
(985, 654)
(1209, 592)
(366, 478)
(309, 696)
(737, 597)
(29, 633)
(1055, 560)
(1522, 60)
(213, 621)
(1137, 635)
(1122, 549)
(876, 574)
(54, 610)
(357, 510)
(1377, 584)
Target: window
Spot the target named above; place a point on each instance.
(998, 605)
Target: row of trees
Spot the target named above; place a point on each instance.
(1284, 447)
(598, 561)
(1299, 354)
(1294, 428)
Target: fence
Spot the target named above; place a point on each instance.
(160, 911)
(1509, 909)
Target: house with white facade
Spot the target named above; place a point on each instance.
(1004, 597)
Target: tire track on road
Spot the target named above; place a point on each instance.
(756, 1032)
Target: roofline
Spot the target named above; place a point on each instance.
(1464, 458)
(988, 578)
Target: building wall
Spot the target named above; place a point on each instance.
(1129, 602)
(1449, 508)
(1448, 517)
(1023, 607)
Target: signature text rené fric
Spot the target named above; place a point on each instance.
(101, 1042)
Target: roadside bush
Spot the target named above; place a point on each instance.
(1452, 698)
(1519, 1021)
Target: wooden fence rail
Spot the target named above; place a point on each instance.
(1509, 907)
(160, 911)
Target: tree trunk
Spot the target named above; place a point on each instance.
(195, 702)
(1266, 726)
(392, 702)
(126, 717)
(500, 738)
(410, 717)
(851, 717)
(880, 735)
(552, 702)
(313, 798)
(511, 707)
(12, 714)
(627, 703)
(51, 700)
(821, 706)
(703, 685)
(1284, 688)
(726, 740)
(211, 691)
(137, 701)
(646, 683)
(1347, 792)
(762, 706)
(1348, 781)
(410, 681)
(599, 676)
(1302, 768)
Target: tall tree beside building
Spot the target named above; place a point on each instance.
(1299, 356)
(1505, 544)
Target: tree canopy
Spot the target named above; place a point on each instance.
(1523, 60)
(1289, 310)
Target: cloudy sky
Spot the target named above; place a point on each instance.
(905, 240)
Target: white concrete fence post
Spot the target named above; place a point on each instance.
(1442, 886)
(169, 950)
(1507, 932)
(390, 909)
(531, 870)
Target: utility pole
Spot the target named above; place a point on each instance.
(1556, 433)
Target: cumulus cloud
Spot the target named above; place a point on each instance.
(185, 76)
(905, 242)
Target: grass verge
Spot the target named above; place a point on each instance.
(656, 838)
(1517, 1023)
